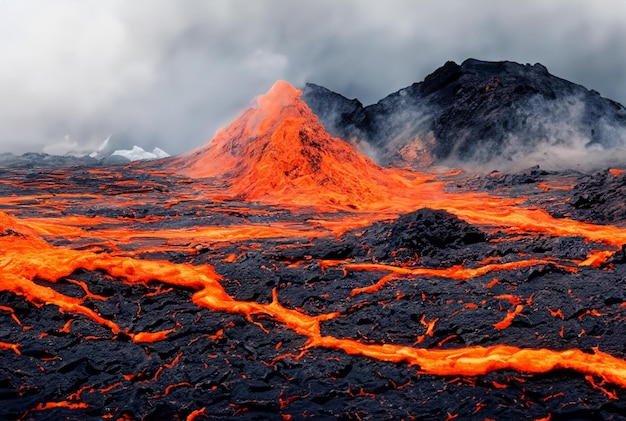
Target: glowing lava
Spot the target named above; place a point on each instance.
(279, 152)
(28, 257)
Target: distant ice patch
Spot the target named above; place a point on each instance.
(138, 154)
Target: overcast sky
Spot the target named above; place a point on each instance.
(169, 73)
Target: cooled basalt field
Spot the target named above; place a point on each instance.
(279, 274)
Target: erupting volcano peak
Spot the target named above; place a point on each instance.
(278, 151)
(282, 93)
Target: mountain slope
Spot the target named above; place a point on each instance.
(477, 112)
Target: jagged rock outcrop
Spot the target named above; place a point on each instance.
(340, 115)
(601, 197)
(476, 112)
(424, 232)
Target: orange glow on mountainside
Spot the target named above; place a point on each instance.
(277, 151)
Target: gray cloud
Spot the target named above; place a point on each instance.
(169, 73)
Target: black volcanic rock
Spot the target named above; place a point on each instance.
(423, 233)
(214, 364)
(477, 112)
(601, 197)
(342, 117)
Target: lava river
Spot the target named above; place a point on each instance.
(278, 273)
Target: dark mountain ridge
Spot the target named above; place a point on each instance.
(476, 112)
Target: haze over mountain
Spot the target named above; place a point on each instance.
(481, 113)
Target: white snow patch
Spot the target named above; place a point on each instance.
(139, 154)
(160, 153)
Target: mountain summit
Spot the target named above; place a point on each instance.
(278, 150)
(478, 112)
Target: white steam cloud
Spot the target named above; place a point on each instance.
(561, 139)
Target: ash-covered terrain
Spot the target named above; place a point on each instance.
(278, 273)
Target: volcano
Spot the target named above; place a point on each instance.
(278, 151)
(278, 273)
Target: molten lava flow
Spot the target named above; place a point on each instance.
(13, 347)
(596, 258)
(453, 272)
(510, 315)
(27, 257)
(476, 360)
